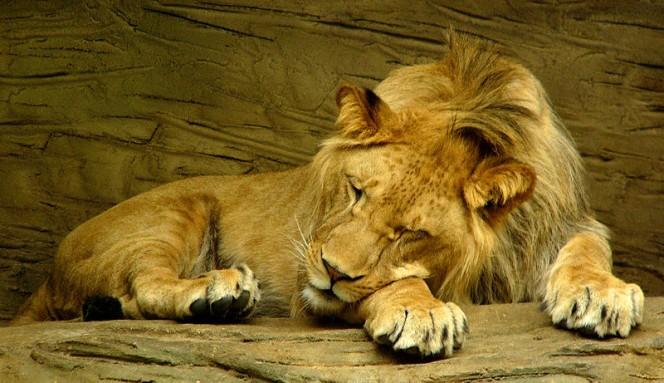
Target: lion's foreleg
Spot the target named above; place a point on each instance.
(408, 317)
(582, 294)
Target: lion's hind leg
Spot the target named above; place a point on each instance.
(217, 295)
(583, 295)
(35, 309)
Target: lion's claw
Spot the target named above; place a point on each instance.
(609, 309)
(231, 296)
(429, 330)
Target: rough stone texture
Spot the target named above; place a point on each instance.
(513, 343)
(103, 99)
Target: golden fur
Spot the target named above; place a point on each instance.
(454, 181)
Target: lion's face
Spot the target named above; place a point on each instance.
(398, 213)
(407, 196)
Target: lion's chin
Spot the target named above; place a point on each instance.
(322, 301)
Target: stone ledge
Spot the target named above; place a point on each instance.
(507, 343)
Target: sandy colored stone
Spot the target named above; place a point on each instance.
(514, 343)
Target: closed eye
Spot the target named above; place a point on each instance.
(356, 191)
(415, 235)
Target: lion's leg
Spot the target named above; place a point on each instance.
(583, 295)
(34, 309)
(408, 317)
(158, 292)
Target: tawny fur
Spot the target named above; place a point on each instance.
(455, 179)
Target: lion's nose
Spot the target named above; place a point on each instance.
(336, 275)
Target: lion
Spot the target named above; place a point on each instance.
(453, 181)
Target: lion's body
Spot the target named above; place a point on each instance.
(457, 174)
(97, 257)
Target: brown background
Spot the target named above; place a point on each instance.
(103, 99)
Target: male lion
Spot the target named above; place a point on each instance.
(453, 181)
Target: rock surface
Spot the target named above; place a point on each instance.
(513, 343)
(103, 99)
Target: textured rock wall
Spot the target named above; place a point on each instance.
(103, 99)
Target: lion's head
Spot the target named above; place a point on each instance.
(423, 176)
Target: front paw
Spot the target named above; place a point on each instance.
(232, 294)
(430, 328)
(603, 307)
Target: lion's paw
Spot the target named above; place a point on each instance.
(611, 308)
(427, 329)
(232, 294)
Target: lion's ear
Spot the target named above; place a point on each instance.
(361, 112)
(498, 186)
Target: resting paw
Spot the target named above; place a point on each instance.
(232, 294)
(427, 329)
(599, 309)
